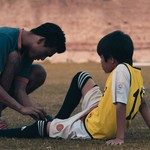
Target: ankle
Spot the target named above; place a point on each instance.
(48, 128)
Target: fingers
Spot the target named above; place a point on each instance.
(35, 112)
(34, 117)
(38, 113)
(41, 112)
(115, 142)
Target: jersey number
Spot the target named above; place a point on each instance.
(135, 95)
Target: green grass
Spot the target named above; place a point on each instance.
(51, 95)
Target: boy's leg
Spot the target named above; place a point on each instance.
(6, 79)
(81, 83)
(38, 129)
(37, 76)
(36, 79)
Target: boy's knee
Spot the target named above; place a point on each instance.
(38, 74)
(77, 74)
(80, 78)
(76, 77)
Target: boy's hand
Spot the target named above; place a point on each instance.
(115, 142)
(35, 112)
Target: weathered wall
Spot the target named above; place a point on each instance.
(84, 21)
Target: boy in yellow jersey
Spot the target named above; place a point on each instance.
(103, 116)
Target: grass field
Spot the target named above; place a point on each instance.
(51, 95)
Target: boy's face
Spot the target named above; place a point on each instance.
(38, 51)
(108, 65)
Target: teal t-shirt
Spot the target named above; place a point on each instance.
(8, 43)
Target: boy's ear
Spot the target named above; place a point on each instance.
(41, 40)
(112, 60)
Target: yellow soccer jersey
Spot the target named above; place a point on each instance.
(101, 122)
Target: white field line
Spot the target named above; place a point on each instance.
(141, 64)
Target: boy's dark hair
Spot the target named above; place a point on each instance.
(55, 37)
(117, 45)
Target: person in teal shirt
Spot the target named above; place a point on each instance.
(18, 76)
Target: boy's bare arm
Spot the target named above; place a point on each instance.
(20, 93)
(23, 98)
(7, 100)
(145, 112)
(121, 117)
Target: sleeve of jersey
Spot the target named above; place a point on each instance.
(120, 84)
